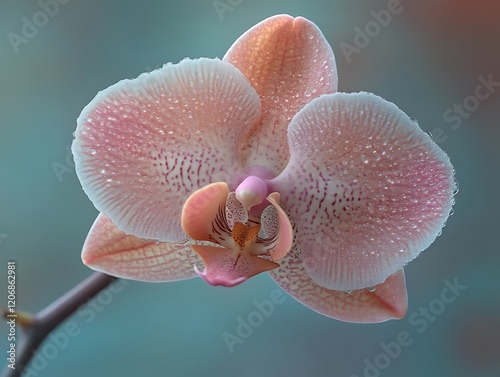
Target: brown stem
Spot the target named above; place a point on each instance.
(50, 317)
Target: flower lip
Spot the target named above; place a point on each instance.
(226, 268)
(241, 252)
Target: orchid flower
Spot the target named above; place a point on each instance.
(227, 168)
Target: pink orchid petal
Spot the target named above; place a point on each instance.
(204, 214)
(289, 62)
(109, 250)
(230, 267)
(368, 189)
(142, 146)
(385, 301)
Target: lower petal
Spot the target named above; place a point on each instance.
(229, 267)
(109, 250)
(385, 301)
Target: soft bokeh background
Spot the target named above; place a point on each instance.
(426, 59)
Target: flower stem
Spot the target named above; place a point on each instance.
(42, 323)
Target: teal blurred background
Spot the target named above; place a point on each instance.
(428, 58)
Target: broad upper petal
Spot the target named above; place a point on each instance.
(368, 189)
(289, 62)
(109, 250)
(143, 146)
(381, 303)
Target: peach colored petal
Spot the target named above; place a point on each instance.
(109, 250)
(289, 62)
(204, 214)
